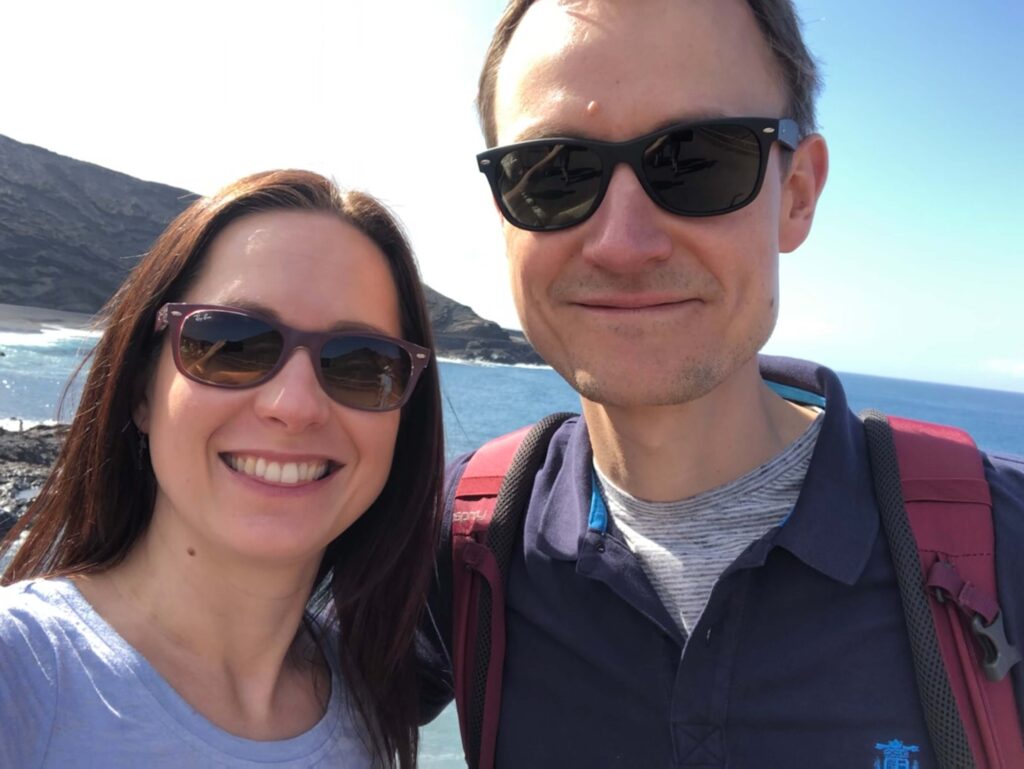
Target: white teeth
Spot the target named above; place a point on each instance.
(278, 472)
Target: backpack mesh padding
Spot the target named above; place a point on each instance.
(509, 511)
(949, 739)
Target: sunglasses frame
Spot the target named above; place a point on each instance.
(631, 152)
(174, 314)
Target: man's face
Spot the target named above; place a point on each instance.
(638, 306)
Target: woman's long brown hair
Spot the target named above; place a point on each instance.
(99, 496)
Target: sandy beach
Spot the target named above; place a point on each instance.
(25, 320)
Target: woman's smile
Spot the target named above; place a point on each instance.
(283, 472)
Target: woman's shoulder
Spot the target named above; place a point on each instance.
(29, 631)
(31, 607)
(43, 621)
(35, 619)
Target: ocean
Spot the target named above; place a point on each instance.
(482, 401)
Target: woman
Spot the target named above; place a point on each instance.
(228, 561)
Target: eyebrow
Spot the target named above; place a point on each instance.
(557, 131)
(262, 309)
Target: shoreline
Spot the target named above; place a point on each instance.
(488, 363)
(19, 425)
(25, 319)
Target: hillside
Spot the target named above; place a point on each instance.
(70, 231)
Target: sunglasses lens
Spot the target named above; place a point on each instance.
(227, 348)
(704, 170)
(365, 373)
(548, 186)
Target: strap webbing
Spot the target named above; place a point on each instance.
(936, 512)
(490, 501)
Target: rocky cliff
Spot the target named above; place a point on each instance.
(70, 231)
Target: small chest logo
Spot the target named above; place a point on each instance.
(896, 755)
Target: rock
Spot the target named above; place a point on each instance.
(461, 333)
(36, 446)
(25, 460)
(6, 522)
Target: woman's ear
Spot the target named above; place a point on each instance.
(801, 190)
(140, 413)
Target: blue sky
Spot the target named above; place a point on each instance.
(916, 259)
(915, 267)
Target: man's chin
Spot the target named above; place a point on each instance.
(633, 389)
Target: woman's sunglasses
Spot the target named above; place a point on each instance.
(691, 169)
(235, 348)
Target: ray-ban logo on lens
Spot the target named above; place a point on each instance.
(896, 755)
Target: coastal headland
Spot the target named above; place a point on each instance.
(72, 230)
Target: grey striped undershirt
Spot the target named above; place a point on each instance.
(684, 546)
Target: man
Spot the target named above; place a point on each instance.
(701, 580)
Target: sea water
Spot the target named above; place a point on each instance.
(34, 371)
(483, 401)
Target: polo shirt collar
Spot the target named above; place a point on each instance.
(561, 492)
(832, 528)
(834, 525)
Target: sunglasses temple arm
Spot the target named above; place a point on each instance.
(161, 320)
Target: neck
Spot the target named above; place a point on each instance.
(224, 633)
(668, 453)
(223, 608)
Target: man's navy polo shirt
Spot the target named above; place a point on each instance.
(800, 658)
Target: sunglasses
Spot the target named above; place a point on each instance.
(691, 169)
(236, 348)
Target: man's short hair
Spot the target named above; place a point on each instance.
(777, 20)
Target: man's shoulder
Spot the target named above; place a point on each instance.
(1008, 464)
(554, 451)
(1005, 474)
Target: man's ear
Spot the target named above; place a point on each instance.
(808, 169)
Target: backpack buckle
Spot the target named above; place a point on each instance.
(998, 654)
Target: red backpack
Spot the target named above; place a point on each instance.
(937, 516)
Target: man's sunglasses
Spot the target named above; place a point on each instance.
(235, 348)
(691, 169)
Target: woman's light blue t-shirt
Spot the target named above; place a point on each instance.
(74, 693)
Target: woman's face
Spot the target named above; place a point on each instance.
(313, 272)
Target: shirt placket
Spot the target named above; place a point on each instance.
(700, 695)
(700, 698)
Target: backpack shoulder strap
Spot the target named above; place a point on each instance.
(937, 515)
(490, 500)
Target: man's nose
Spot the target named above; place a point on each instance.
(627, 232)
(293, 397)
